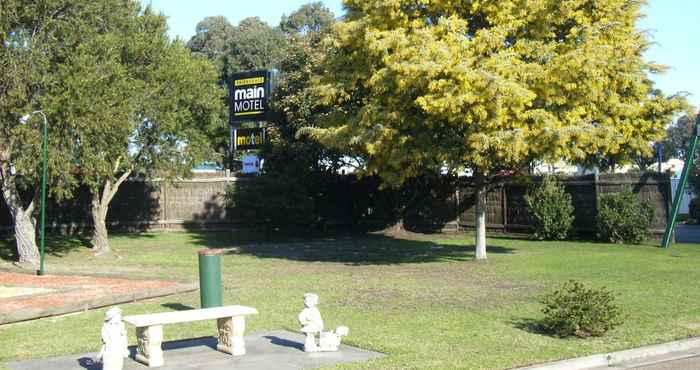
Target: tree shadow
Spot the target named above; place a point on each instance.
(365, 249)
(56, 245)
(60, 245)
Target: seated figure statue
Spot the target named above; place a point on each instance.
(312, 325)
(114, 343)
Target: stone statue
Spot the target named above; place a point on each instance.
(114, 343)
(312, 325)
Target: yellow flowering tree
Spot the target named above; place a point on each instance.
(487, 86)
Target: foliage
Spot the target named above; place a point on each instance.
(312, 21)
(576, 310)
(254, 45)
(678, 136)
(487, 87)
(550, 209)
(623, 218)
(272, 201)
(36, 40)
(694, 209)
(211, 39)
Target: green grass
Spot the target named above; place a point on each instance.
(420, 299)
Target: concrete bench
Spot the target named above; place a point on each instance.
(230, 321)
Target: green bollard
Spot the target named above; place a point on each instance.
(210, 277)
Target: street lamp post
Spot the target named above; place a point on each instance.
(44, 166)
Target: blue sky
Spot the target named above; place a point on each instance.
(674, 26)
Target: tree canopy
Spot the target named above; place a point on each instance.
(120, 97)
(37, 40)
(486, 87)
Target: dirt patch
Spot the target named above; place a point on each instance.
(61, 294)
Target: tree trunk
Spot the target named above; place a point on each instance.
(480, 227)
(24, 221)
(25, 236)
(397, 228)
(100, 206)
(100, 243)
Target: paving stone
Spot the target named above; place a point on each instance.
(270, 350)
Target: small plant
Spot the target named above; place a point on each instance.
(623, 218)
(694, 209)
(575, 310)
(550, 209)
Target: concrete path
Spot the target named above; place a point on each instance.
(273, 350)
(688, 234)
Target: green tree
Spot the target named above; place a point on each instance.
(211, 39)
(37, 39)
(139, 104)
(678, 136)
(254, 45)
(311, 21)
(486, 87)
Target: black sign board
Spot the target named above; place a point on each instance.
(248, 138)
(249, 92)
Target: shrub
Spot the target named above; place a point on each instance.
(575, 310)
(550, 209)
(623, 218)
(272, 201)
(694, 209)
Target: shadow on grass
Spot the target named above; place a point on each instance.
(56, 245)
(8, 250)
(363, 249)
(177, 306)
(530, 325)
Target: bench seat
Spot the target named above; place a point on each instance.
(149, 330)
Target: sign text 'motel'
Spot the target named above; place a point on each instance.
(248, 95)
(249, 138)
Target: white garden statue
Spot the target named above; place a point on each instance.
(312, 325)
(114, 343)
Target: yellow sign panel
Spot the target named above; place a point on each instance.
(249, 81)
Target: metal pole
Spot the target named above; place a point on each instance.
(45, 159)
(689, 161)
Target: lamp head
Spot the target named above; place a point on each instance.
(24, 119)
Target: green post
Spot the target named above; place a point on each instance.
(42, 216)
(210, 278)
(689, 161)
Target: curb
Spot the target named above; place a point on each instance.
(616, 358)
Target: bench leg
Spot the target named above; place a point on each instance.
(149, 350)
(231, 330)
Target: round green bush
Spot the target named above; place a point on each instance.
(623, 218)
(550, 210)
(575, 310)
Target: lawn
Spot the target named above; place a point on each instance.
(420, 299)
